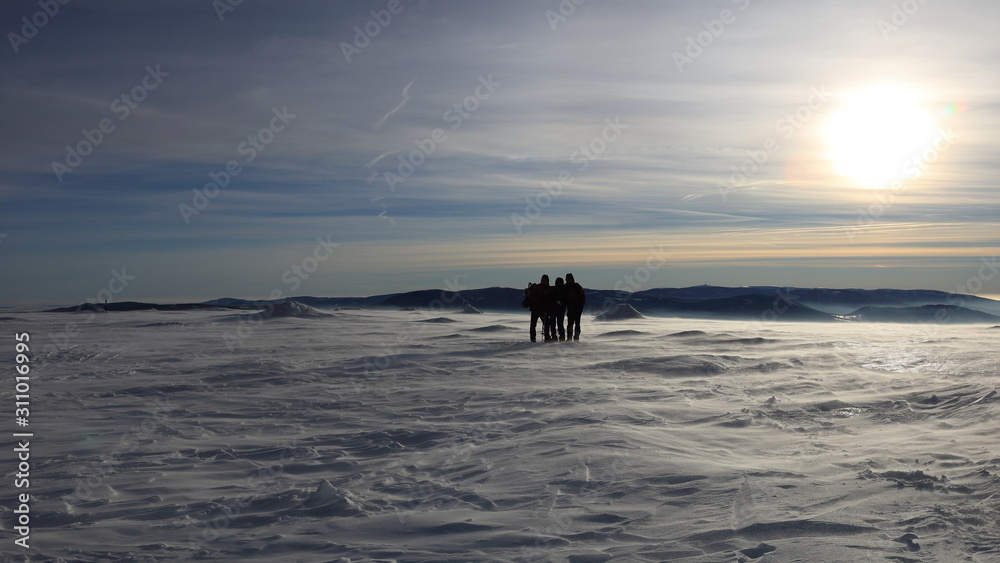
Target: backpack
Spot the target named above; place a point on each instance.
(532, 296)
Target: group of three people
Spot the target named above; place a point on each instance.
(552, 303)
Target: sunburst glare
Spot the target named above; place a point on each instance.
(876, 131)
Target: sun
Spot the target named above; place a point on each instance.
(875, 132)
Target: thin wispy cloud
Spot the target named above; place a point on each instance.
(723, 190)
(405, 98)
(384, 214)
(371, 165)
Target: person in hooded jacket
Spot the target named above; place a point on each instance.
(557, 310)
(575, 301)
(535, 299)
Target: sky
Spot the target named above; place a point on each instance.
(190, 150)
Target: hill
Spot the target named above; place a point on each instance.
(704, 301)
(924, 314)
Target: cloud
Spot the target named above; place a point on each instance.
(371, 164)
(658, 182)
(406, 98)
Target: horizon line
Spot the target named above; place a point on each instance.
(989, 297)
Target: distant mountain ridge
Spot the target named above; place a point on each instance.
(923, 314)
(765, 303)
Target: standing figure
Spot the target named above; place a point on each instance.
(557, 309)
(535, 298)
(575, 300)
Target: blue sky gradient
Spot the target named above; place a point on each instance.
(491, 104)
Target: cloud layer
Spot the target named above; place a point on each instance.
(486, 141)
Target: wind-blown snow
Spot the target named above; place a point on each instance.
(367, 435)
(292, 309)
(620, 312)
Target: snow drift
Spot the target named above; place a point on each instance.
(364, 436)
(620, 312)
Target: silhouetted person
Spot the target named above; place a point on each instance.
(557, 309)
(575, 300)
(535, 297)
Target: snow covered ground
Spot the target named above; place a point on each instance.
(367, 435)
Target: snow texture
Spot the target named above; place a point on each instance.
(372, 436)
(620, 312)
